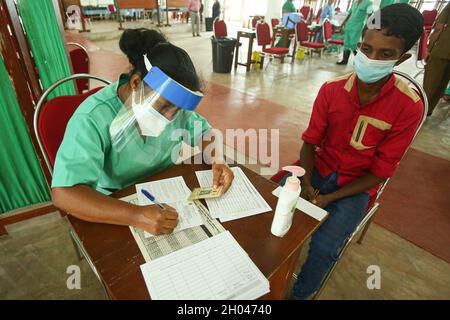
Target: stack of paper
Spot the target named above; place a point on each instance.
(215, 268)
(174, 192)
(241, 200)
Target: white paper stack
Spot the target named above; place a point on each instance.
(241, 200)
(216, 268)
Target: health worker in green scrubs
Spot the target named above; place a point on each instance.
(130, 130)
(353, 26)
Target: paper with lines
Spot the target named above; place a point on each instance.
(158, 246)
(173, 192)
(216, 268)
(241, 200)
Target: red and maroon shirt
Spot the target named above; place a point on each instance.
(355, 139)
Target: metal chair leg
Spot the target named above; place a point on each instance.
(363, 233)
(84, 253)
(75, 247)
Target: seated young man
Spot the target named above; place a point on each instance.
(361, 125)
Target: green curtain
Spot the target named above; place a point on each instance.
(22, 182)
(47, 45)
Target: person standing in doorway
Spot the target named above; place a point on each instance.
(437, 69)
(353, 26)
(194, 10)
(216, 10)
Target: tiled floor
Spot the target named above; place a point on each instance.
(37, 252)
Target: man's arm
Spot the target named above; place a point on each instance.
(438, 27)
(359, 185)
(307, 156)
(434, 36)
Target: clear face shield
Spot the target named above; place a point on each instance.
(156, 107)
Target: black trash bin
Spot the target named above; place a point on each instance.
(223, 52)
(209, 24)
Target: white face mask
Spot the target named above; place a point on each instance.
(151, 122)
(369, 70)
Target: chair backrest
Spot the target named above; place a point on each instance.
(263, 34)
(274, 22)
(255, 20)
(80, 64)
(327, 30)
(429, 16)
(422, 48)
(111, 8)
(317, 19)
(220, 28)
(301, 31)
(305, 12)
(423, 96)
(51, 117)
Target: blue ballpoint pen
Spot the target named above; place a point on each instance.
(151, 198)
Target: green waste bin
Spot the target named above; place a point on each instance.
(208, 24)
(222, 53)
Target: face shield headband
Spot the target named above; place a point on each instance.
(170, 89)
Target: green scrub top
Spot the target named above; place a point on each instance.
(289, 7)
(385, 3)
(355, 23)
(87, 156)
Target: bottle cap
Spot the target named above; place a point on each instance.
(293, 183)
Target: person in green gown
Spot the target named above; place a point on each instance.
(353, 26)
(127, 131)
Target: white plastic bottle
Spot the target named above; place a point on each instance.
(287, 202)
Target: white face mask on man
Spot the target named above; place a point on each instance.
(369, 70)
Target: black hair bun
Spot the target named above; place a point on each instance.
(134, 43)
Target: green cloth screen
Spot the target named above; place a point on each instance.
(46, 43)
(22, 182)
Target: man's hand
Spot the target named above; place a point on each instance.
(322, 200)
(307, 192)
(157, 221)
(222, 176)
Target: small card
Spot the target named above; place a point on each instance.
(205, 193)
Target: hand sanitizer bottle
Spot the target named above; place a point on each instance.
(287, 202)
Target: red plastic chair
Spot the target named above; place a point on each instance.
(220, 28)
(302, 37)
(328, 34)
(80, 64)
(51, 117)
(255, 21)
(264, 39)
(274, 22)
(305, 11)
(428, 19)
(50, 122)
(317, 19)
(373, 203)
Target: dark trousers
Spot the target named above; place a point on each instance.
(326, 243)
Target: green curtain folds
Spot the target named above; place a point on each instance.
(22, 182)
(47, 45)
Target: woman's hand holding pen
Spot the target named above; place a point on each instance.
(156, 220)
